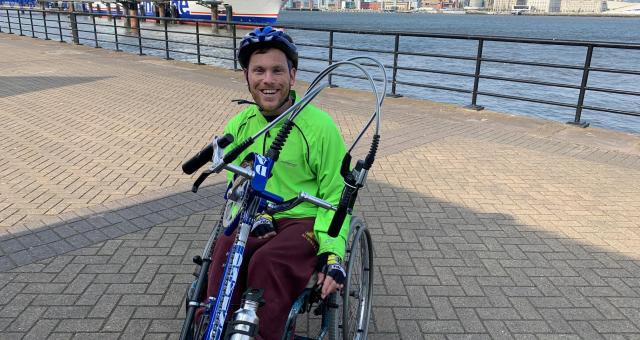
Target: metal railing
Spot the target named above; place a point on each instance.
(65, 26)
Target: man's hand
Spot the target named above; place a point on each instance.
(331, 273)
(263, 227)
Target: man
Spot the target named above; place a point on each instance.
(280, 257)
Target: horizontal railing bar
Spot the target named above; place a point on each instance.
(526, 99)
(606, 90)
(426, 70)
(215, 56)
(344, 48)
(313, 58)
(527, 81)
(435, 55)
(216, 46)
(620, 112)
(531, 63)
(613, 70)
(429, 86)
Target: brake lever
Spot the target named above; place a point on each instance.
(199, 181)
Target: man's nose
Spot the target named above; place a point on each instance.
(269, 77)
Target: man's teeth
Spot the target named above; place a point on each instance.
(269, 91)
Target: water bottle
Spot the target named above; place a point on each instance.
(245, 320)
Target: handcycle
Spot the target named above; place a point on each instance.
(344, 315)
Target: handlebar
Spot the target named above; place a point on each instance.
(220, 163)
(205, 155)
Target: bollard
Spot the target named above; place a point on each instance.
(214, 16)
(229, 14)
(161, 10)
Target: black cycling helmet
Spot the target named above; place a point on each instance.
(265, 37)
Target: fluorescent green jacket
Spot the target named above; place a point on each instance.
(309, 161)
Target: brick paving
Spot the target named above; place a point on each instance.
(485, 226)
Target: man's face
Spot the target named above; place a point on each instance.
(270, 80)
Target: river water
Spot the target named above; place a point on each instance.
(218, 51)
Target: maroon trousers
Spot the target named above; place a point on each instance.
(281, 265)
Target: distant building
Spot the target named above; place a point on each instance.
(550, 6)
(583, 6)
(544, 6)
(372, 6)
(503, 5)
(395, 5)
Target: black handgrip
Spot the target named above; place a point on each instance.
(197, 161)
(233, 154)
(225, 140)
(338, 219)
(346, 204)
(205, 155)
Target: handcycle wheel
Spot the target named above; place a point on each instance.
(193, 328)
(351, 321)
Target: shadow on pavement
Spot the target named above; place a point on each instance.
(15, 85)
(441, 270)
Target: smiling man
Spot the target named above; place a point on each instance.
(284, 250)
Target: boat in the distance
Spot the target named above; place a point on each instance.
(251, 11)
(254, 11)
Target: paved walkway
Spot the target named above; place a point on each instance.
(485, 225)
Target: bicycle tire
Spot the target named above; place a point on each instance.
(358, 286)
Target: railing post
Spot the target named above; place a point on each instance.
(166, 41)
(583, 90)
(115, 32)
(139, 38)
(20, 22)
(331, 57)
(33, 33)
(95, 30)
(198, 41)
(476, 80)
(44, 21)
(60, 28)
(74, 24)
(8, 21)
(235, 46)
(395, 67)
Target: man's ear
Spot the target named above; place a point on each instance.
(246, 74)
(292, 74)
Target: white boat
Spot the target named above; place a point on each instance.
(254, 11)
(249, 11)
